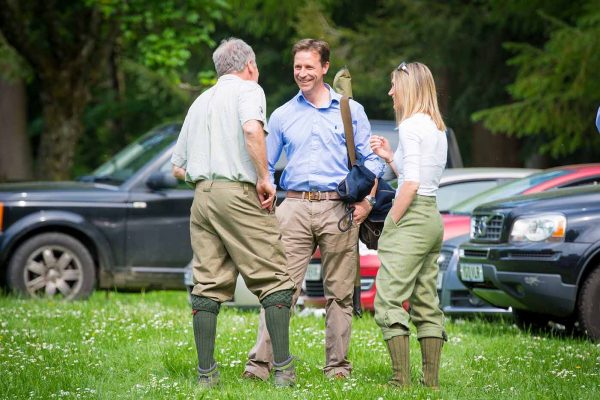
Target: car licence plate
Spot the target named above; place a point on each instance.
(471, 272)
(313, 272)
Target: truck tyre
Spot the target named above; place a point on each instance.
(52, 265)
(588, 305)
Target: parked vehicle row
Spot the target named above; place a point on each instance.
(126, 225)
(539, 255)
(456, 184)
(454, 296)
(456, 218)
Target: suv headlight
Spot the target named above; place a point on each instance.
(549, 228)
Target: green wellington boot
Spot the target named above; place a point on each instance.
(431, 350)
(398, 346)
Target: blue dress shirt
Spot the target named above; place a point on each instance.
(314, 143)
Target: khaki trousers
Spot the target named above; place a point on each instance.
(231, 234)
(304, 225)
(408, 252)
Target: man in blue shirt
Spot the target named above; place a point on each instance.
(310, 130)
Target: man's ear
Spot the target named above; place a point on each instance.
(252, 68)
(326, 68)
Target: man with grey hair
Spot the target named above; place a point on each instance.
(221, 151)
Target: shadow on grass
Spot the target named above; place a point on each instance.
(488, 325)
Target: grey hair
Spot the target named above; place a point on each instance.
(232, 55)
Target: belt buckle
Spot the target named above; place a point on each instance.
(311, 196)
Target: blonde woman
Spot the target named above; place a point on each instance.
(412, 235)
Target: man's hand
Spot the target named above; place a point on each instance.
(178, 172)
(361, 211)
(266, 193)
(257, 150)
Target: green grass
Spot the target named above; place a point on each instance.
(140, 346)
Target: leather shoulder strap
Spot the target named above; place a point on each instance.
(348, 131)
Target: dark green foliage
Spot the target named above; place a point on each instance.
(557, 88)
(86, 49)
(112, 121)
(464, 45)
(532, 67)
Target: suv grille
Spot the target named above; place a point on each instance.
(533, 255)
(487, 227)
(473, 253)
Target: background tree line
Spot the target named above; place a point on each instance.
(519, 81)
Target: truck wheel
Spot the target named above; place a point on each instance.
(529, 321)
(52, 265)
(588, 306)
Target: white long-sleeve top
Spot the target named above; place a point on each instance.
(421, 153)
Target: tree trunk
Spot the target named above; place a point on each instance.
(64, 98)
(15, 150)
(494, 150)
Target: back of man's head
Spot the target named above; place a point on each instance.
(232, 55)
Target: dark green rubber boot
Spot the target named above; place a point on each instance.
(398, 346)
(431, 350)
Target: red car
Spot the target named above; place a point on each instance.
(456, 223)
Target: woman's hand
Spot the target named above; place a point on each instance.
(396, 214)
(381, 147)
(406, 194)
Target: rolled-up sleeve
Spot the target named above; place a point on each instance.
(179, 156)
(274, 144)
(252, 104)
(362, 135)
(410, 141)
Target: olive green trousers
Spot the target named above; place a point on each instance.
(408, 251)
(231, 234)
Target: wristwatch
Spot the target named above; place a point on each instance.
(371, 200)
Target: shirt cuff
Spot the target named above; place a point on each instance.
(376, 166)
(178, 161)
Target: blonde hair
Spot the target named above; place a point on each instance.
(415, 93)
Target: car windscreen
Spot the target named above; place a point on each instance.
(133, 157)
(509, 189)
(449, 195)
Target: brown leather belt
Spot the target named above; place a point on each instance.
(313, 196)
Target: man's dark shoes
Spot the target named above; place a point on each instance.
(208, 378)
(284, 374)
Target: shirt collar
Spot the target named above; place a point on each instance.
(229, 77)
(334, 97)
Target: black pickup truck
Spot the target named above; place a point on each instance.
(540, 255)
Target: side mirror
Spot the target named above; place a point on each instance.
(161, 180)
